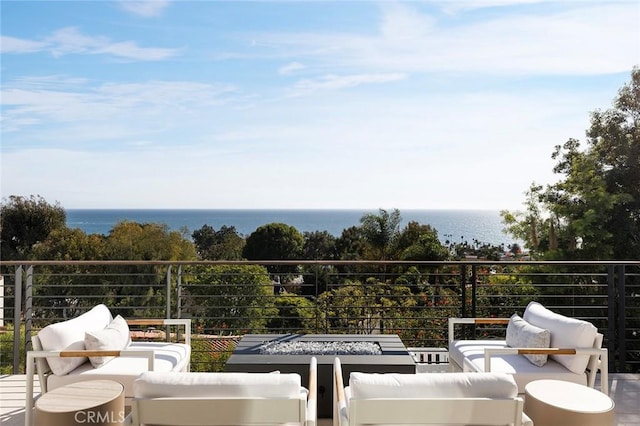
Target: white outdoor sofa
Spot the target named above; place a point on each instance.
(541, 344)
(224, 399)
(435, 398)
(95, 346)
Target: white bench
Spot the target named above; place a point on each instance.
(96, 346)
(540, 345)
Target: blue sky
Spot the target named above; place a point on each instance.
(301, 104)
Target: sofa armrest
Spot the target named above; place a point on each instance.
(601, 353)
(33, 355)
(312, 397)
(340, 408)
(481, 321)
(185, 322)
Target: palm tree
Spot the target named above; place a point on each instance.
(381, 231)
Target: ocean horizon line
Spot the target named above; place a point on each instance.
(451, 224)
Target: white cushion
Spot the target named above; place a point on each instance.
(521, 334)
(115, 336)
(566, 332)
(69, 335)
(169, 357)
(469, 355)
(156, 385)
(435, 385)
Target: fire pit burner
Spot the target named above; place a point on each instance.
(320, 348)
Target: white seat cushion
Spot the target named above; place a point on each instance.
(435, 385)
(469, 355)
(169, 357)
(266, 385)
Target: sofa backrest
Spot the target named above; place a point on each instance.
(566, 332)
(69, 335)
(225, 385)
(434, 385)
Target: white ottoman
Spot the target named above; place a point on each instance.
(559, 403)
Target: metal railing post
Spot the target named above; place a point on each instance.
(179, 293)
(463, 290)
(168, 314)
(474, 294)
(611, 316)
(168, 307)
(17, 323)
(28, 307)
(622, 329)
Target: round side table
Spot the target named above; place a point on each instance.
(555, 402)
(92, 402)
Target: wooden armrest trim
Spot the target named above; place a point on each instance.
(145, 321)
(72, 354)
(491, 321)
(546, 351)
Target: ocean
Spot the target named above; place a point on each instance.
(484, 226)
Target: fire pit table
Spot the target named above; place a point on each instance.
(260, 353)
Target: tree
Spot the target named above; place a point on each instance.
(380, 232)
(148, 241)
(420, 242)
(224, 244)
(319, 245)
(593, 212)
(350, 245)
(25, 222)
(274, 241)
(234, 299)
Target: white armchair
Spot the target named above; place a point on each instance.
(436, 398)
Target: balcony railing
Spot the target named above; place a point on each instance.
(228, 299)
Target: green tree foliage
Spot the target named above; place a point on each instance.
(350, 245)
(25, 222)
(296, 314)
(230, 299)
(148, 241)
(224, 244)
(420, 242)
(70, 244)
(319, 245)
(274, 241)
(593, 212)
(380, 232)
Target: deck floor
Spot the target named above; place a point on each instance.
(624, 389)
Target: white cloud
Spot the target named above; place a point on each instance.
(580, 39)
(336, 82)
(17, 45)
(291, 68)
(70, 40)
(144, 8)
(404, 23)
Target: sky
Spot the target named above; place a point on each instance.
(302, 104)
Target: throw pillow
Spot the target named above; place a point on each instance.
(521, 334)
(115, 336)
